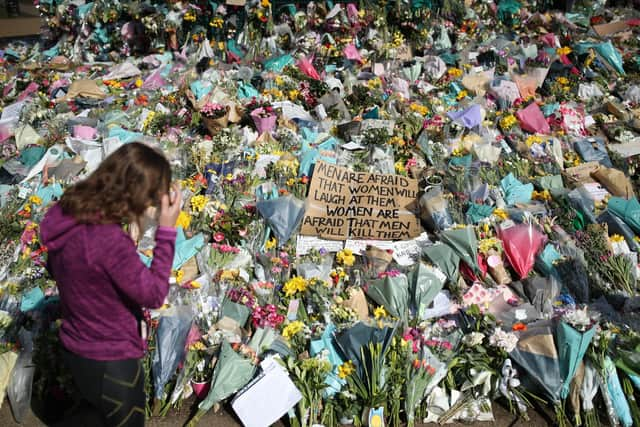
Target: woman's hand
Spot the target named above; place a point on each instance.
(170, 207)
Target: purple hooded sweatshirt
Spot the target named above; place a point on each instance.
(103, 284)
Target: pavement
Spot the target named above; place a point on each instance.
(225, 418)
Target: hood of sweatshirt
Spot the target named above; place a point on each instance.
(56, 229)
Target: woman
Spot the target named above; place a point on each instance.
(103, 284)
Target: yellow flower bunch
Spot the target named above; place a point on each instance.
(485, 245)
(459, 152)
(139, 83)
(500, 213)
(198, 345)
(183, 220)
(562, 80)
(293, 94)
(275, 93)
(190, 16)
(418, 108)
(508, 121)
(271, 243)
(374, 83)
(179, 275)
(265, 3)
(543, 195)
(346, 369)
(399, 166)
(294, 285)
(292, 329)
(380, 313)
(616, 238)
(287, 167)
(533, 139)
(565, 50)
(456, 73)
(35, 200)
(398, 39)
(397, 141)
(198, 203)
(216, 22)
(148, 119)
(345, 257)
(462, 95)
(231, 274)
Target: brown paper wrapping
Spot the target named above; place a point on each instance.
(614, 180)
(214, 125)
(580, 174)
(190, 270)
(358, 303)
(576, 385)
(499, 272)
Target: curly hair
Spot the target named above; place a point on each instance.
(125, 184)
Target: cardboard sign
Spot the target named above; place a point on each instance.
(610, 28)
(343, 204)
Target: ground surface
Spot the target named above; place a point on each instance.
(226, 419)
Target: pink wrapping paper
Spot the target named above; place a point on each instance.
(84, 132)
(351, 52)
(532, 120)
(307, 67)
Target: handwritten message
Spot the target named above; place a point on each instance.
(343, 204)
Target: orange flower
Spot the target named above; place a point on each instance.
(519, 327)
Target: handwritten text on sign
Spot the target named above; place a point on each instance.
(343, 204)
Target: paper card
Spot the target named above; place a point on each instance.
(352, 146)
(407, 253)
(11, 113)
(267, 398)
(304, 244)
(595, 191)
(626, 150)
(359, 247)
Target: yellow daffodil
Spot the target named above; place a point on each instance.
(345, 257)
(179, 275)
(380, 313)
(183, 220)
(198, 203)
(271, 243)
(346, 369)
(292, 329)
(294, 285)
(501, 213)
(565, 50)
(616, 238)
(35, 200)
(455, 72)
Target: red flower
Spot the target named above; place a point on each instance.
(519, 327)
(218, 237)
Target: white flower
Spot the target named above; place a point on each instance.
(473, 339)
(504, 340)
(579, 319)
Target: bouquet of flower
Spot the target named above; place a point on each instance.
(264, 118)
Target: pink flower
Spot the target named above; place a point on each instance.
(218, 237)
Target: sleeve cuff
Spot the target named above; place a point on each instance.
(166, 233)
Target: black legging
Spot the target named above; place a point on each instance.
(114, 389)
